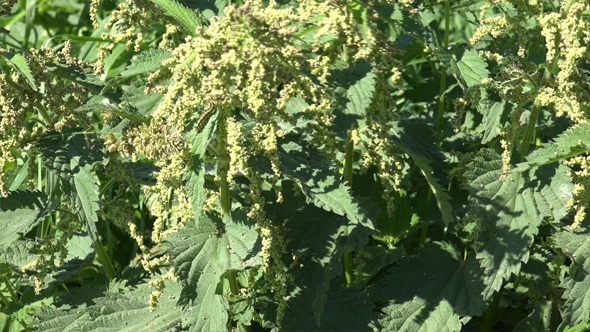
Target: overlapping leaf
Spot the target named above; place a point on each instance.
(492, 113)
(538, 320)
(424, 154)
(187, 17)
(577, 285)
(195, 178)
(432, 291)
(354, 89)
(470, 70)
(146, 62)
(320, 183)
(321, 238)
(116, 311)
(70, 156)
(512, 210)
(20, 211)
(19, 62)
(202, 252)
(347, 309)
(82, 77)
(573, 142)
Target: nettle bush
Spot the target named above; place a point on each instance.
(294, 165)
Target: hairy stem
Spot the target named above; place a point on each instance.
(225, 199)
(443, 76)
(104, 260)
(530, 128)
(4, 300)
(349, 150)
(11, 290)
(489, 316)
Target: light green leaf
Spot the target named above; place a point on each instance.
(20, 211)
(512, 210)
(146, 62)
(187, 17)
(434, 291)
(82, 77)
(195, 178)
(126, 310)
(360, 95)
(577, 285)
(84, 187)
(574, 142)
(202, 252)
(124, 111)
(492, 113)
(470, 70)
(53, 320)
(18, 62)
(18, 254)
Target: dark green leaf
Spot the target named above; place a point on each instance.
(20, 211)
(432, 291)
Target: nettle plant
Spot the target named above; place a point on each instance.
(294, 165)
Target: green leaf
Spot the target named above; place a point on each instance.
(195, 178)
(470, 70)
(511, 210)
(577, 286)
(574, 142)
(65, 152)
(423, 153)
(347, 309)
(18, 254)
(126, 112)
(70, 156)
(82, 77)
(202, 252)
(20, 211)
(84, 190)
(18, 62)
(29, 19)
(187, 17)
(321, 238)
(117, 311)
(320, 182)
(53, 320)
(322, 187)
(492, 113)
(146, 62)
(538, 320)
(354, 88)
(432, 291)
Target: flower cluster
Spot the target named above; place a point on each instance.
(22, 103)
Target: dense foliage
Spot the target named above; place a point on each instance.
(340, 165)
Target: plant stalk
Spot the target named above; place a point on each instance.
(225, 199)
(489, 315)
(4, 300)
(104, 259)
(530, 128)
(443, 77)
(11, 290)
(348, 159)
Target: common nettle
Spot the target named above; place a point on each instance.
(294, 165)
